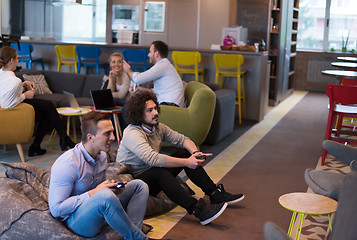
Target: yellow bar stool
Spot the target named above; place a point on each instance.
(228, 65)
(187, 62)
(66, 55)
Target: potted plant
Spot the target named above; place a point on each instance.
(344, 43)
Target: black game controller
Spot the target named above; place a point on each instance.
(118, 186)
(203, 157)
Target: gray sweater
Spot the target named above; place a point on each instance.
(141, 149)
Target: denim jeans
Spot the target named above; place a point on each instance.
(124, 212)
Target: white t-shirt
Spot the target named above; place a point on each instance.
(168, 85)
(10, 89)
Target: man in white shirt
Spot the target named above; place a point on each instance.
(168, 85)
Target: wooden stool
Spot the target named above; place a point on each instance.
(307, 204)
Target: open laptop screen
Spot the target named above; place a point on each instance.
(103, 99)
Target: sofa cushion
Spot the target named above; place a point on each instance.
(92, 82)
(70, 82)
(57, 99)
(41, 84)
(84, 101)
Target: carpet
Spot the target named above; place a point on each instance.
(274, 166)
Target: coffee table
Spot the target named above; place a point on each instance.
(307, 204)
(70, 113)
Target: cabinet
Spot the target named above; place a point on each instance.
(282, 47)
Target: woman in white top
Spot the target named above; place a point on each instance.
(118, 80)
(12, 94)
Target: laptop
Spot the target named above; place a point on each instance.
(103, 100)
(71, 99)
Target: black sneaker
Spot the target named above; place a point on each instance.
(220, 196)
(206, 212)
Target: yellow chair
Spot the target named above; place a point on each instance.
(66, 55)
(228, 65)
(17, 125)
(187, 62)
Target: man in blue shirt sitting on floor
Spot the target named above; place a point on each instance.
(81, 196)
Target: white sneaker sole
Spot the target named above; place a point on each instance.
(215, 216)
(236, 200)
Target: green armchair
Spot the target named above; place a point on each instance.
(17, 126)
(195, 120)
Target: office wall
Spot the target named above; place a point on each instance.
(214, 15)
(182, 23)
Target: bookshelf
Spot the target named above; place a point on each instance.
(283, 25)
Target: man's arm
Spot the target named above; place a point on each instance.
(61, 203)
(193, 161)
(127, 69)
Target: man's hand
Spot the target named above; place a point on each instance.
(106, 185)
(126, 66)
(197, 159)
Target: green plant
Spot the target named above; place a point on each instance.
(344, 43)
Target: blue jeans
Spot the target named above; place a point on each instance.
(124, 212)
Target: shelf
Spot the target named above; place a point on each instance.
(291, 73)
(293, 43)
(294, 32)
(273, 77)
(295, 20)
(293, 55)
(296, 9)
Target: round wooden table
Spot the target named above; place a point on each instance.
(69, 112)
(345, 65)
(348, 59)
(307, 204)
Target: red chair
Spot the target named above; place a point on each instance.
(342, 101)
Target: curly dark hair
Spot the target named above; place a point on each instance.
(135, 106)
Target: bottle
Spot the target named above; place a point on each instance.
(262, 45)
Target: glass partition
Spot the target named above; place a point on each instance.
(64, 20)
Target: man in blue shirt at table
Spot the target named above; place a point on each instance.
(81, 196)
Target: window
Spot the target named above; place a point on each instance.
(66, 20)
(327, 24)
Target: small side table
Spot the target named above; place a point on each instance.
(70, 112)
(307, 204)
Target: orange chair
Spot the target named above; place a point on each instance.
(342, 101)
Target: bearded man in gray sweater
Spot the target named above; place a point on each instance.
(140, 147)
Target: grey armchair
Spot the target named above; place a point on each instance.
(329, 183)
